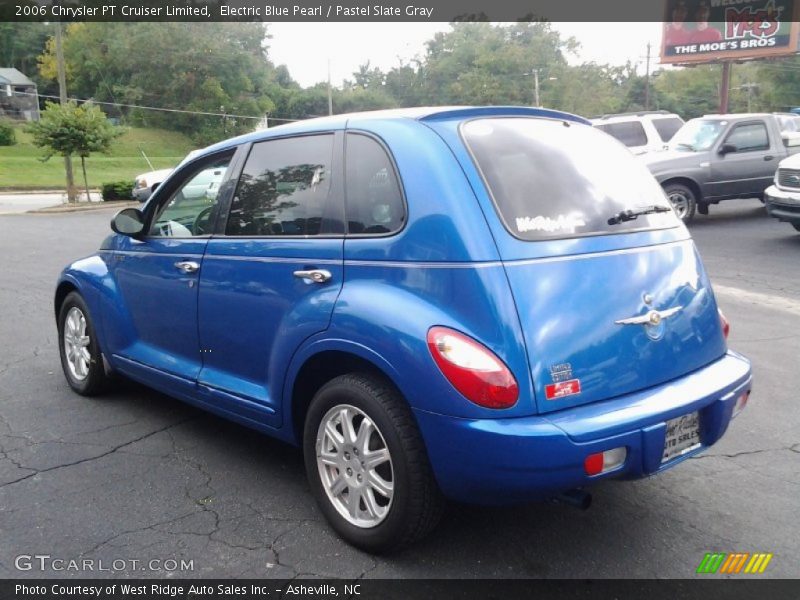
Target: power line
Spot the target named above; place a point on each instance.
(171, 110)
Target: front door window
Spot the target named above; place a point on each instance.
(190, 210)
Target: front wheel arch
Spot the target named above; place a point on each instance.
(62, 291)
(691, 191)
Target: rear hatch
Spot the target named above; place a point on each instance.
(611, 294)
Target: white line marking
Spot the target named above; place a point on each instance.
(767, 300)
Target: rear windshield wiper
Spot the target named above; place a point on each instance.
(631, 214)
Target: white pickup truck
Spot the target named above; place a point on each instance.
(783, 197)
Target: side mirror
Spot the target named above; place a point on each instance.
(128, 221)
(154, 187)
(727, 149)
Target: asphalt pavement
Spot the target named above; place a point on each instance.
(134, 480)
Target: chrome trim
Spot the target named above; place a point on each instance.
(187, 266)
(653, 317)
(314, 275)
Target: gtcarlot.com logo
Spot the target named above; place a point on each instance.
(734, 563)
(46, 562)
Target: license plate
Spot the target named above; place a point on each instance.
(683, 435)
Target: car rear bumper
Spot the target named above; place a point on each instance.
(500, 461)
(783, 205)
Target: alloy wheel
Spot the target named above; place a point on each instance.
(76, 344)
(355, 466)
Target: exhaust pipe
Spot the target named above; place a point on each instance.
(578, 498)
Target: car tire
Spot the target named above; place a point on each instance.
(81, 359)
(682, 199)
(345, 484)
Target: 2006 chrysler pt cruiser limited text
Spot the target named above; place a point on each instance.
(490, 305)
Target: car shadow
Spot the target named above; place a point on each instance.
(534, 540)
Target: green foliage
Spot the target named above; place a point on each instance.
(21, 44)
(117, 190)
(7, 135)
(203, 67)
(225, 68)
(69, 129)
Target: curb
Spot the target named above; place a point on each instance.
(67, 208)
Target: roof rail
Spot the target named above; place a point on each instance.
(640, 113)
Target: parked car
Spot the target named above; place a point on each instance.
(783, 197)
(492, 305)
(146, 183)
(720, 157)
(641, 132)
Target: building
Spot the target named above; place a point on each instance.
(19, 98)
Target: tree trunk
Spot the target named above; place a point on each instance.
(85, 179)
(72, 195)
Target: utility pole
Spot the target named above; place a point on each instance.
(72, 196)
(536, 87)
(725, 85)
(647, 80)
(330, 92)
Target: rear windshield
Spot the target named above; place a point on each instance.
(554, 179)
(630, 133)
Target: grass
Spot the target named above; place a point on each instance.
(22, 169)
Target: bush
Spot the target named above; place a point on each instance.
(7, 135)
(117, 190)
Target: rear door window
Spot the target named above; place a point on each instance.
(667, 127)
(630, 133)
(554, 179)
(374, 201)
(285, 190)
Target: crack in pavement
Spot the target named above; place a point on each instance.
(792, 448)
(99, 545)
(99, 456)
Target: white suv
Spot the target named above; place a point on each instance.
(641, 132)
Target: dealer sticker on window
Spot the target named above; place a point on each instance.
(682, 436)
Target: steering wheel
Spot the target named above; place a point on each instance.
(202, 221)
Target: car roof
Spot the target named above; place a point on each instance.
(423, 113)
(737, 116)
(634, 116)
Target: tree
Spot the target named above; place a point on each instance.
(200, 67)
(69, 129)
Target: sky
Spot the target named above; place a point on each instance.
(305, 48)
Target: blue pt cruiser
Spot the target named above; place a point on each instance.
(490, 305)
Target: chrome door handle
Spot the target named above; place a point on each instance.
(315, 275)
(187, 266)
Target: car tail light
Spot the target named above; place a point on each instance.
(741, 402)
(603, 462)
(726, 326)
(473, 369)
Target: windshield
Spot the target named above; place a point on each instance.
(697, 135)
(554, 179)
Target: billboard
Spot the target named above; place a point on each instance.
(698, 31)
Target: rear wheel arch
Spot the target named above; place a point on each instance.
(322, 367)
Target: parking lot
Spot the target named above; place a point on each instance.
(138, 478)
